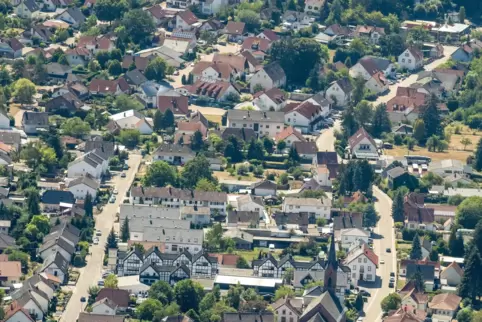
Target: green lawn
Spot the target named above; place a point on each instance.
(251, 255)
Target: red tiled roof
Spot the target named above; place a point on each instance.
(191, 127)
(213, 90)
(140, 62)
(177, 104)
(270, 34)
(224, 69)
(13, 308)
(108, 86)
(307, 109)
(235, 28)
(119, 297)
(256, 43)
(287, 132)
(238, 62)
(188, 17)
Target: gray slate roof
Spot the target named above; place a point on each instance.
(274, 71)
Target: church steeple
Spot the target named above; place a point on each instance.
(331, 268)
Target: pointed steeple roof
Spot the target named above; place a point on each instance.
(332, 254)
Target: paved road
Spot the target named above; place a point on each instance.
(448, 50)
(385, 238)
(92, 272)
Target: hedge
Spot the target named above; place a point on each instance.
(272, 165)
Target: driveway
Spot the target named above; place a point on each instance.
(448, 50)
(326, 140)
(92, 272)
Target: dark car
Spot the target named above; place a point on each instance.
(392, 274)
(391, 285)
(83, 299)
(389, 250)
(365, 293)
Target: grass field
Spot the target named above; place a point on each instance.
(214, 118)
(251, 255)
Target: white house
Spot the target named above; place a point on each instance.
(213, 71)
(263, 123)
(362, 146)
(82, 186)
(270, 100)
(94, 163)
(271, 75)
(185, 20)
(4, 121)
(133, 119)
(411, 59)
(72, 16)
(314, 6)
(443, 307)
(452, 275)
(378, 83)
(27, 9)
(353, 236)
(371, 65)
(319, 208)
(57, 265)
(196, 215)
(104, 307)
(249, 203)
(264, 188)
(290, 135)
(339, 92)
(211, 7)
(304, 116)
(363, 263)
(173, 153)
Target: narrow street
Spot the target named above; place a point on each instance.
(384, 238)
(92, 272)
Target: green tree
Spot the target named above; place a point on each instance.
(397, 207)
(111, 281)
(392, 301)
(359, 302)
(75, 127)
(88, 206)
(433, 255)
(160, 174)
(363, 113)
(419, 130)
(471, 280)
(139, 25)
(358, 91)
(241, 262)
(250, 18)
(158, 120)
(130, 138)
(478, 157)
(455, 246)
(214, 237)
(147, 309)
(283, 291)
(298, 56)
(207, 303)
(370, 216)
(268, 144)
(233, 297)
(168, 119)
(125, 102)
(125, 230)
(416, 251)
(468, 213)
(380, 121)
(431, 117)
(156, 69)
(197, 141)
(23, 91)
(255, 150)
(188, 294)
(195, 170)
(42, 223)
(33, 201)
(462, 17)
(162, 292)
(110, 10)
(114, 68)
(206, 185)
(281, 145)
(233, 149)
(111, 242)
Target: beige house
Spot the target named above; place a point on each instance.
(452, 274)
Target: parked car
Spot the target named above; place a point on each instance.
(96, 241)
(83, 299)
(100, 283)
(391, 285)
(98, 232)
(115, 191)
(123, 175)
(365, 293)
(388, 250)
(392, 274)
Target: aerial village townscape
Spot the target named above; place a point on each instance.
(241, 160)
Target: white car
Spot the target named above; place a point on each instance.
(382, 262)
(115, 191)
(96, 241)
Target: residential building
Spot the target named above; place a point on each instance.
(95, 44)
(133, 119)
(293, 220)
(236, 31)
(81, 186)
(369, 66)
(314, 6)
(175, 154)
(57, 265)
(241, 239)
(362, 146)
(5, 226)
(370, 33)
(93, 163)
(108, 87)
(73, 16)
(427, 272)
(269, 76)
(237, 218)
(290, 135)
(200, 216)
(319, 208)
(175, 198)
(377, 84)
(178, 104)
(398, 177)
(325, 168)
(92, 317)
(78, 56)
(216, 91)
(271, 100)
(264, 188)
(263, 123)
(67, 103)
(104, 307)
(406, 314)
(306, 150)
(305, 116)
(258, 47)
(417, 216)
(363, 263)
(249, 203)
(465, 53)
(295, 20)
(120, 298)
(339, 92)
(51, 199)
(213, 71)
(413, 297)
(186, 20)
(352, 236)
(34, 121)
(411, 59)
(443, 307)
(268, 34)
(27, 9)
(449, 167)
(452, 275)
(11, 48)
(212, 7)
(10, 273)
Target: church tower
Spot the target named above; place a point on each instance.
(331, 268)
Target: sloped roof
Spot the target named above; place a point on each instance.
(289, 131)
(359, 136)
(235, 28)
(274, 71)
(188, 17)
(117, 296)
(445, 301)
